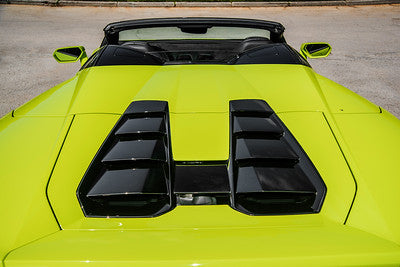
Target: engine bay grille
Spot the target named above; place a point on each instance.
(134, 175)
(270, 172)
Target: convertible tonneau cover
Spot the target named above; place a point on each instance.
(111, 30)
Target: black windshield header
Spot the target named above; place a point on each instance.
(190, 24)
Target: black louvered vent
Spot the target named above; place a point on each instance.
(133, 173)
(270, 172)
(130, 175)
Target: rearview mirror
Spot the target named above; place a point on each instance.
(70, 54)
(315, 50)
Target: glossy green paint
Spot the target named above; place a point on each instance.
(341, 100)
(308, 53)
(29, 147)
(208, 132)
(317, 244)
(325, 118)
(89, 131)
(53, 102)
(374, 143)
(63, 55)
(194, 89)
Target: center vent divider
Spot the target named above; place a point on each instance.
(269, 171)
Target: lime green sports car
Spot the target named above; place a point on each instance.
(199, 142)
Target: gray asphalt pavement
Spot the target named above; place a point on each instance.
(365, 40)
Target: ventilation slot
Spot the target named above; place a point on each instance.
(130, 175)
(133, 173)
(202, 184)
(270, 173)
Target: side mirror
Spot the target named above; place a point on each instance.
(70, 54)
(315, 50)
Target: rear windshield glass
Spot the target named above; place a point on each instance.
(171, 33)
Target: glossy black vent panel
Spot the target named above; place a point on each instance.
(137, 150)
(263, 179)
(134, 175)
(263, 149)
(142, 126)
(269, 203)
(201, 179)
(269, 171)
(130, 175)
(130, 181)
(154, 108)
(257, 126)
(136, 205)
(250, 107)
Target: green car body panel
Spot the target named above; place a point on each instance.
(48, 144)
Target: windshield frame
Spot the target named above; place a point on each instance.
(112, 30)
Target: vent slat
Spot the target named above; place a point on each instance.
(133, 205)
(147, 107)
(267, 179)
(250, 107)
(130, 181)
(248, 126)
(275, 202)
(136, 150)
(248, 149)
(141, 126)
